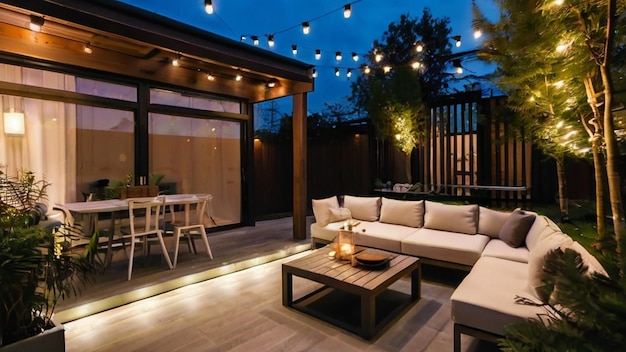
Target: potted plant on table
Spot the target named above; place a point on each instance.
(37, 266)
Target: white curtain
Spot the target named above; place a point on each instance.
(49, 139)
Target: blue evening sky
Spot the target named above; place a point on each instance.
(330, 31)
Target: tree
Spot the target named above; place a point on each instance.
(586, 310)
(545, 96)
(402, 80)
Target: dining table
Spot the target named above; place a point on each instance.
(92, 211)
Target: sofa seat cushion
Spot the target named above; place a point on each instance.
(499, 249)
(382, 236)
(485, 299)
(447, 246)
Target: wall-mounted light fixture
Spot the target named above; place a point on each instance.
(14, 123)
(36, 22)
(271, 84)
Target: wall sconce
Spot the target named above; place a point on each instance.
(36, 23)
(14, 123)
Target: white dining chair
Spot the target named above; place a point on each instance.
(192, 224)
(145, 226)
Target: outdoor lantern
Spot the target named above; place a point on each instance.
(345, 244)
(14, 123)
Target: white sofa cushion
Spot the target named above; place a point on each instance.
(485, 299)
(591, 262)
(537, 259)
(491, 221)
(339, 214)
(328, 232)
(516, 227)
(497, 248)
(381, 235)
(363, 208)
(542, 228)
(448, 217)
(321, 209)
(447, 246)
(402, 212)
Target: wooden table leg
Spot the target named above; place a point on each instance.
(287, 289)
(416, 283)
(368, 315)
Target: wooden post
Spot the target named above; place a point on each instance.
(299, 166)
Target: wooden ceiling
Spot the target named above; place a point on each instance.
(132, 42)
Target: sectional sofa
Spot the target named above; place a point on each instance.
(503, 252)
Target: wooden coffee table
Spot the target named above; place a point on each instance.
(355, 298)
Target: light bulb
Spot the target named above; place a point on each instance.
(355, 56)
(318, 54)
(306, 28)
(208, 6)
(347, 11)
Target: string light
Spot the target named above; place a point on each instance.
(415, 65)
(318, 54)
(337, 72)
(378, 57)
(355, 56)
(338, 56)
(386, 69)
(294, 49)
(347, 11)
(457, 64)
(270, 40)
(242, 38)
(314, 74)
(419, 47)
(457, 40)
(306, 28)
(208, 6)
(367, 70)
(255, 40)
(477, 33)
(349, 73)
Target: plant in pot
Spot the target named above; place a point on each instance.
(37, 266)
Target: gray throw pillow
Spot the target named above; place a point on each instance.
(516, 227)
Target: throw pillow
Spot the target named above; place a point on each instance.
(339, 214)
(448, 217)
(321, 209)
(516, 227)
(491, 221)
(402, 212)
(363, 208)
